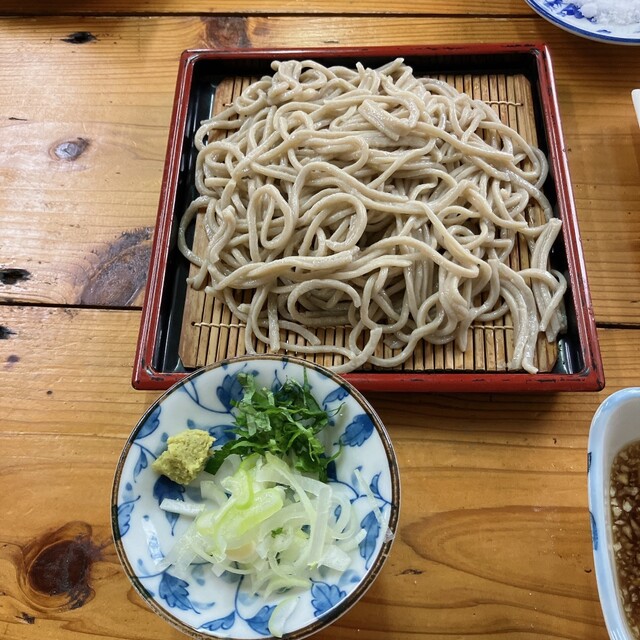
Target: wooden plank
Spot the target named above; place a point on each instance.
(111, 189)
(82, 171)
(271, 7)
(466, 492)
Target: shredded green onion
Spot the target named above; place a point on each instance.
(285, 422)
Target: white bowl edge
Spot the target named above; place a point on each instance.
(615, 424)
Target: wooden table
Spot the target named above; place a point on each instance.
(494, 539)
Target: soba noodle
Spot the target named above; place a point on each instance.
(376, 200)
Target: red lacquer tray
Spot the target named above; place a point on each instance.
(161, 356)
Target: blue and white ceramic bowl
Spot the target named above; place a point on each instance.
(615, 424)
(204, 606)
(567, 15)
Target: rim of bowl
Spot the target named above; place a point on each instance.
(579, 31)
(369, 577)
(598, 490)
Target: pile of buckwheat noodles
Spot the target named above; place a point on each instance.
(375, 200)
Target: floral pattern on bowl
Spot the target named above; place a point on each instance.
(204, 605)
(568, 16)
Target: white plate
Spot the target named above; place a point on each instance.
(568, 16)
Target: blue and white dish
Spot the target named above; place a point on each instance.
(201, 604)
(567, 15)
(615, 424)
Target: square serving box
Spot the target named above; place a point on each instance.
(182, 330)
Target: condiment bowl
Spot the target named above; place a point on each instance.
(615, 424)
(201, 604)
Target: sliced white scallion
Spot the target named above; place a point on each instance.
(374, 505)
(213, 492)
(281, 614)
(271, 524)
(370, 497)
(182, 508)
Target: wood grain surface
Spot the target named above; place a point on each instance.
(494, 537)
(83, 140)
(267, 7)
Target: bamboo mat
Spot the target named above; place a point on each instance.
(210, 333)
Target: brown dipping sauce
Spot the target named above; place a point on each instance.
(624, 492)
